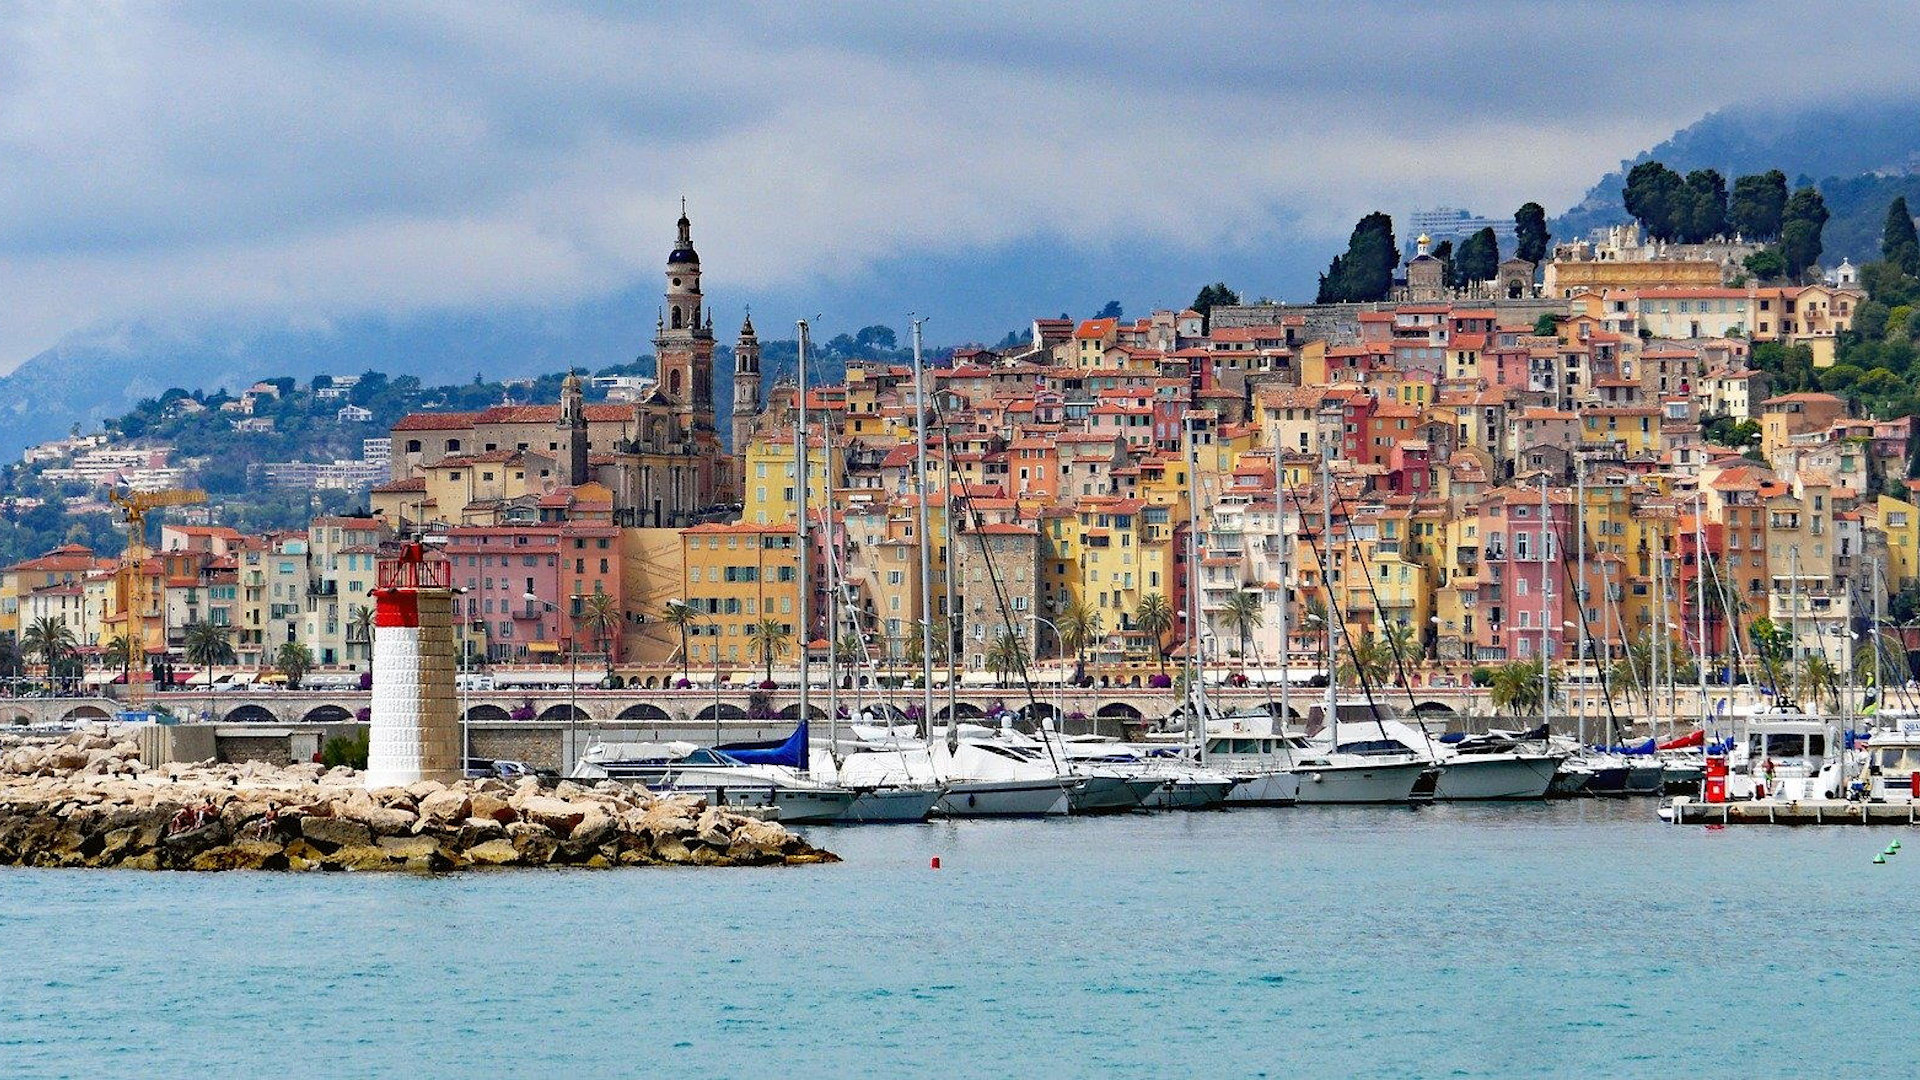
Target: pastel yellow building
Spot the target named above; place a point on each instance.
(734, 577)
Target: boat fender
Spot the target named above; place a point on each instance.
(934, 863)
(1315, 777)
(973, 800)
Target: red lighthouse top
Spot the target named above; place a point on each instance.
(397, 600)
(414, 568)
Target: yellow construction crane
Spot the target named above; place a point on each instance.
(134, 507)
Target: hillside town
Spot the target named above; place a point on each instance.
(1578, 459)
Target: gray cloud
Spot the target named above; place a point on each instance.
(308, 161)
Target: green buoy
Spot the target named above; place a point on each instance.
(1879, 858)
(1895, 845)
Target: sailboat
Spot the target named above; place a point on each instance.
(881, 795)
(767, 776)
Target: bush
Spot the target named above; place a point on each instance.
(1482, 676)
(348, 750)
(1159, 681)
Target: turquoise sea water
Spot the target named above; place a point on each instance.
(1581, 939)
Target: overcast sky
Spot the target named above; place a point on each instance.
(310, 162)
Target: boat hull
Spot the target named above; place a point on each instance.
(1334, 785)
(1646, 779)
(1569, 783)
(790, 806)
(1006, 798)
(1608, 780)
(891, 805)
(1503, 776)
(1111, 794)
(1186, 794)
(1265, 789)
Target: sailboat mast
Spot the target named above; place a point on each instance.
(924, 534)
(1326, 581)
(800, 517)
(1286, 576)
(1879, 612)
(1700, 600)
(1196, 692)
(1587, 666)
(832, 548)
(1793, 620)
(1546, 606)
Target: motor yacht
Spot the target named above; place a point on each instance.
(721, 778)
(1785, 755)
(1494, 766)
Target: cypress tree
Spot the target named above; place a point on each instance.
(1899, 244)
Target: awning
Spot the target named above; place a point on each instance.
(543, 646)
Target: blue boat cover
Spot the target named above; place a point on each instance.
(1453, 736)
(792, 753)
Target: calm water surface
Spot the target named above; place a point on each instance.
(1581, 939)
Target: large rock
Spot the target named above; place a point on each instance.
(756, 839)
(364, 857)
(328, 834)
(494, 853)
(489, 805)
(535, 843)
(445, 807)
(557, 815)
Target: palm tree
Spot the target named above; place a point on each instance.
(600, 613)
(1243, 615)
(768, 640)
(1008, 653)
(1398, 639)
(294, 660)
(1368, 661)
(850, 649)
(1818, 678)
(681, 615)
(207, 645)
(1516, 687)
(50, 639)
(1079, 624)
(941, 636)
(360, 626)
(1154, 617)
(119, 654)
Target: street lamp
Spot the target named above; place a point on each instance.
(1058, 716)
(572, 754)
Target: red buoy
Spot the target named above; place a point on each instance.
(934, 863)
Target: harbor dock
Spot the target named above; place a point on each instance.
(1686, 811)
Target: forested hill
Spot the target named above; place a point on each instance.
(1860, 154)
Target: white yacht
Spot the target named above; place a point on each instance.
(1893, 756)
(1786, 756)
(1247, 747)
(719, 777)
(1166, 778)
(1493, 766)
(884, 789)
(983, 775)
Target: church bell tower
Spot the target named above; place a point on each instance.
(684, 341)
(746, 394)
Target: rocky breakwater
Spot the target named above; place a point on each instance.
(88, 801)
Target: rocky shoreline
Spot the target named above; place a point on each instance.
(88, 801)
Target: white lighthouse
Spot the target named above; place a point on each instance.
(415, 731)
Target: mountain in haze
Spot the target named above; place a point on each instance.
(967, 296)
(1860, 154)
